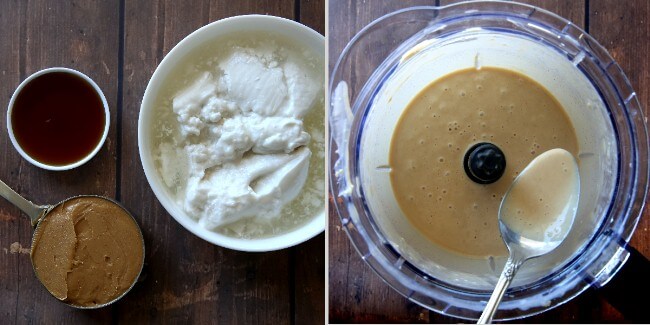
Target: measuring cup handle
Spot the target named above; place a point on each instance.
(32, 210)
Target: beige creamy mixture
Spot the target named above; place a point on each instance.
(87, 251)
(437, 128)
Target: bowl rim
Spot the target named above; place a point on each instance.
(237, 24)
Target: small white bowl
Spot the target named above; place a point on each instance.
(107, 119)
(288, 29)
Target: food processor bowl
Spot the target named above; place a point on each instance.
(386, 65)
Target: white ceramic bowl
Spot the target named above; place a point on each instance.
(288, 29)
(107, 119)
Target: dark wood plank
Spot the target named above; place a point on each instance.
(222, 9)
(37, 35)
(312, 14)
(624, 30)
(309, 258)
(14, 227)
(81, 36)
(573, 10)
(347, 18)
(188, 279)
(356, 293)
(309, 281)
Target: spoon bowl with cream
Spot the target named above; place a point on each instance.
(536, 215)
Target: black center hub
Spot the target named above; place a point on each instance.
(484, 163)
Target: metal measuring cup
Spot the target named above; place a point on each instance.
(37, 213)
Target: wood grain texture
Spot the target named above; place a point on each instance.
(357, 294)
(309, 258)
(311, 13)
(37, 35)
(13, 227)
(624, 30)
(185, 279)
(573, 10)
(189, 279)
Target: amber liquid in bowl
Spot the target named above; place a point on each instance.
(58, 118)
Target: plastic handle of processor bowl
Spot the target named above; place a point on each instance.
(32, 210)
(632, 271)
(340, 121)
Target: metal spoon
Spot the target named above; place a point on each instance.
(37, 213)
(536, 215)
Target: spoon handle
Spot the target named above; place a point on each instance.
(32, 210)
(509, 270)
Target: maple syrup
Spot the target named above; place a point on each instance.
(58, 118)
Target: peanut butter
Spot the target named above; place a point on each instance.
(87, 251)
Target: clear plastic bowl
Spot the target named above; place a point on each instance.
(392, 58)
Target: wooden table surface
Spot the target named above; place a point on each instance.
(119, 43)
(356, 293)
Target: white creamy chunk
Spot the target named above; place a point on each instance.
(256, 186)
(303, 90)
(263, 135)
(258, 86)
(241, 149)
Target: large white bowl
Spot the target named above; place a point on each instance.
(288, 29)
